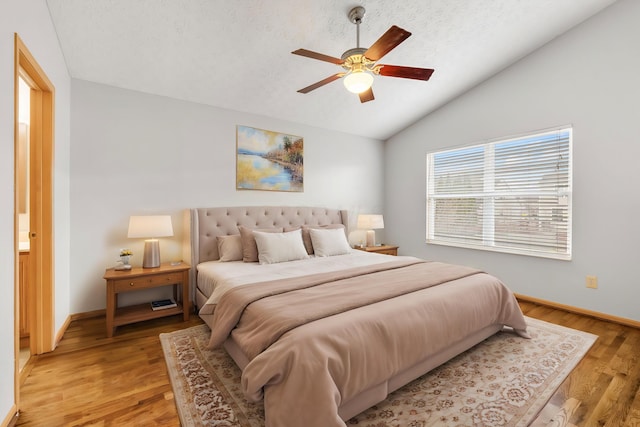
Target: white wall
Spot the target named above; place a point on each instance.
(30, 19)
(587, 78)
(134, 153)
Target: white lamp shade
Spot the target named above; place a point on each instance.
(358, 81)
(150, 226)
(370, 222)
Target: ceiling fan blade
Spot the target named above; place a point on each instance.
(321, 83)
(389, 40)
(366, 96)
(405, 72)
(316, 55)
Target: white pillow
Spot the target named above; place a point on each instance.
(306, 238)
(230, 248)
(329, 241)
(249, 248)
(280, 247)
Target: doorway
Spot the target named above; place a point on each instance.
(22, 206)
(33, 209)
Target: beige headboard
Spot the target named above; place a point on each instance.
(204, 225)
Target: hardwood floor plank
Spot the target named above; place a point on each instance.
(630, 378)
(627, 357)
(604, 409)
(633, 418)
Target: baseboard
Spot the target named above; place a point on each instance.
(11, 419)
(602, 316)
(62, 330)
(26, 370)
(89, 314)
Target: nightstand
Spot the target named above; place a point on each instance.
(382, 249)
(139, 278)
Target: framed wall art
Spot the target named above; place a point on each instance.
(268, 160)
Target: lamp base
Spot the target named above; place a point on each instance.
(371, 238)
(151, 257)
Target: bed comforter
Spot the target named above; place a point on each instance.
(316, 341)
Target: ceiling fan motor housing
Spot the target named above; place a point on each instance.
(354, 59)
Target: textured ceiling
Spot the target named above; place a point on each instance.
(236, 54)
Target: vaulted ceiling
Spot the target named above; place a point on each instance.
(236, 54)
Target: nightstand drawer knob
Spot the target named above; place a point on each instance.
(131, 284)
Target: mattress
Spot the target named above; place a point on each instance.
(214, 278)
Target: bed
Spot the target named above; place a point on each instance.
(324, 335)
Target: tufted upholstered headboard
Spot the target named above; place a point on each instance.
(204, 225)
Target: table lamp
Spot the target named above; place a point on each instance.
(150, 227)
(370, 223)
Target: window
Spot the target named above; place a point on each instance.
(511, 195)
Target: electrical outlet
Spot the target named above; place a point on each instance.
(592, 282)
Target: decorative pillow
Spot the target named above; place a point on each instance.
(329, 242)
(249, 248)
(280, 247)
(306, 238)
(230, 248)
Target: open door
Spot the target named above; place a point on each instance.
(39, 270)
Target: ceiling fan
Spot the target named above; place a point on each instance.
(361, 64)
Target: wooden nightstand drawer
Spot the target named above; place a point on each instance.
(136, 283)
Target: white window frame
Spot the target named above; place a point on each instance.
(548, 230)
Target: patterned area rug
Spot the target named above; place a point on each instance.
(503, 381)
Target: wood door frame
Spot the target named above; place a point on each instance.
(41, 265)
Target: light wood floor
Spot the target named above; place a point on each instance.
(607, 380)
(93, 380)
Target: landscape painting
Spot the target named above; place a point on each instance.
(267, 160)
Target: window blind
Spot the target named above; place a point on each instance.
(511, 195)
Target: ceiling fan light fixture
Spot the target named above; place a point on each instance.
(358, 81)
(361, 64)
